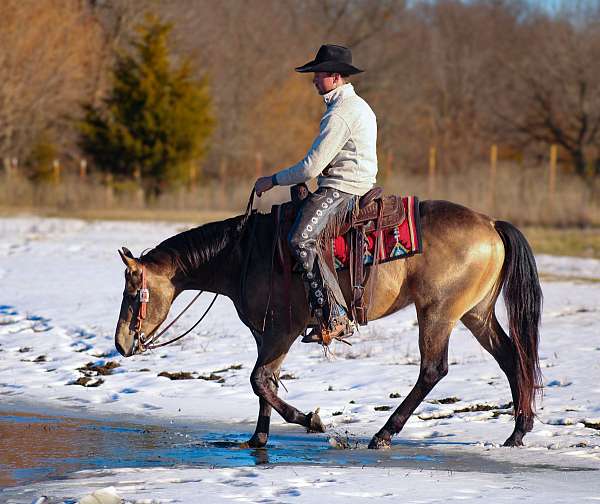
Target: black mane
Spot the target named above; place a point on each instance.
(192, 248)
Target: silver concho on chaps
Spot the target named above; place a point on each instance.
(320, 210)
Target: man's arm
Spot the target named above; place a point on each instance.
(333, 134)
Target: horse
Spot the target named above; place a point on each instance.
(468, 259)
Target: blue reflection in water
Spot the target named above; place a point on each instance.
(34, 448)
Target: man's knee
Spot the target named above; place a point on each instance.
(301, 245)
(294, 239)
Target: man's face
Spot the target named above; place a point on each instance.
(325, 81)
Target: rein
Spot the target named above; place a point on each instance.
(149, 343)
(246, 266)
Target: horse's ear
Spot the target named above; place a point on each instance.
(128, 259)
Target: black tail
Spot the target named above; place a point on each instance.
(523, 299)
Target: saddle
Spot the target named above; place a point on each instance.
(375, 213)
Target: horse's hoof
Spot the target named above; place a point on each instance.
(256, 441)
(513, 442)
(314, 422)
(378, 443)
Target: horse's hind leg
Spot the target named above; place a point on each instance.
(482, 322)
(434, 333)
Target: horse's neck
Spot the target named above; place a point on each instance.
(220, 274)
(217, 275)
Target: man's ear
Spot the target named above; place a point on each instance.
(128, 259)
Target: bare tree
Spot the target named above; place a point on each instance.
(454, 74)
(48, 50)
(554, 90)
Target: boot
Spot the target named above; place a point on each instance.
(325, 335)
(338, 327)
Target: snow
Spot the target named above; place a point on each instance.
(332, 485)
(61, 284)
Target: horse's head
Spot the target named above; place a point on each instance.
(147, 298)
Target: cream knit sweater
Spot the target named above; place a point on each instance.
(344, 153)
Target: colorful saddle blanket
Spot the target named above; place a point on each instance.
(395, 242)
(390, 223)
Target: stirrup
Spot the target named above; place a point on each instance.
(325, 336)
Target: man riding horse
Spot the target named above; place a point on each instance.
(344, 158)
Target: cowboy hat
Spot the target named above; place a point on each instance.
(331, 58)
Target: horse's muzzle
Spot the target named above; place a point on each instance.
(127, 352)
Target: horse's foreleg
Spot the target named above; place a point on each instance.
(261, 433)
(433, 344)
(265, 384)
(264, 379)
(492, 337)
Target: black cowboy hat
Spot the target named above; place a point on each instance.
(331, 58)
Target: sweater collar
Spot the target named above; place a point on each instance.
(338, 94)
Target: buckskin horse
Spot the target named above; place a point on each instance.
(467, 260)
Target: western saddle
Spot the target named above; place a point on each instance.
(375, 213)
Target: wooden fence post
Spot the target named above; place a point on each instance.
(14, 162)
(56, 171)
(552, 174)
(82, 168)
(432, 166)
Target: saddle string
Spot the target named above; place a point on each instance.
(372, 279)
(351, 272)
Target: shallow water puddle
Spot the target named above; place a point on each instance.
(38, 447)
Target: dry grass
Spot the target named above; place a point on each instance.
(519, 195)
(195, 216)
(564, 241)
(72, 195)
(566, 223)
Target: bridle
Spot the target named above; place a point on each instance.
(143, 342)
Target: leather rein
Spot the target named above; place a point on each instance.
(144, 343)
(150, 342)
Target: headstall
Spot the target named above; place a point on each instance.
(143, 342)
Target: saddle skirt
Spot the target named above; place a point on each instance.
(382, 229)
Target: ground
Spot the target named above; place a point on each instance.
(62, 282)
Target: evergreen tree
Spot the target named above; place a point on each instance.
(156, 119)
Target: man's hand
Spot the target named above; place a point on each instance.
(262, 185)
